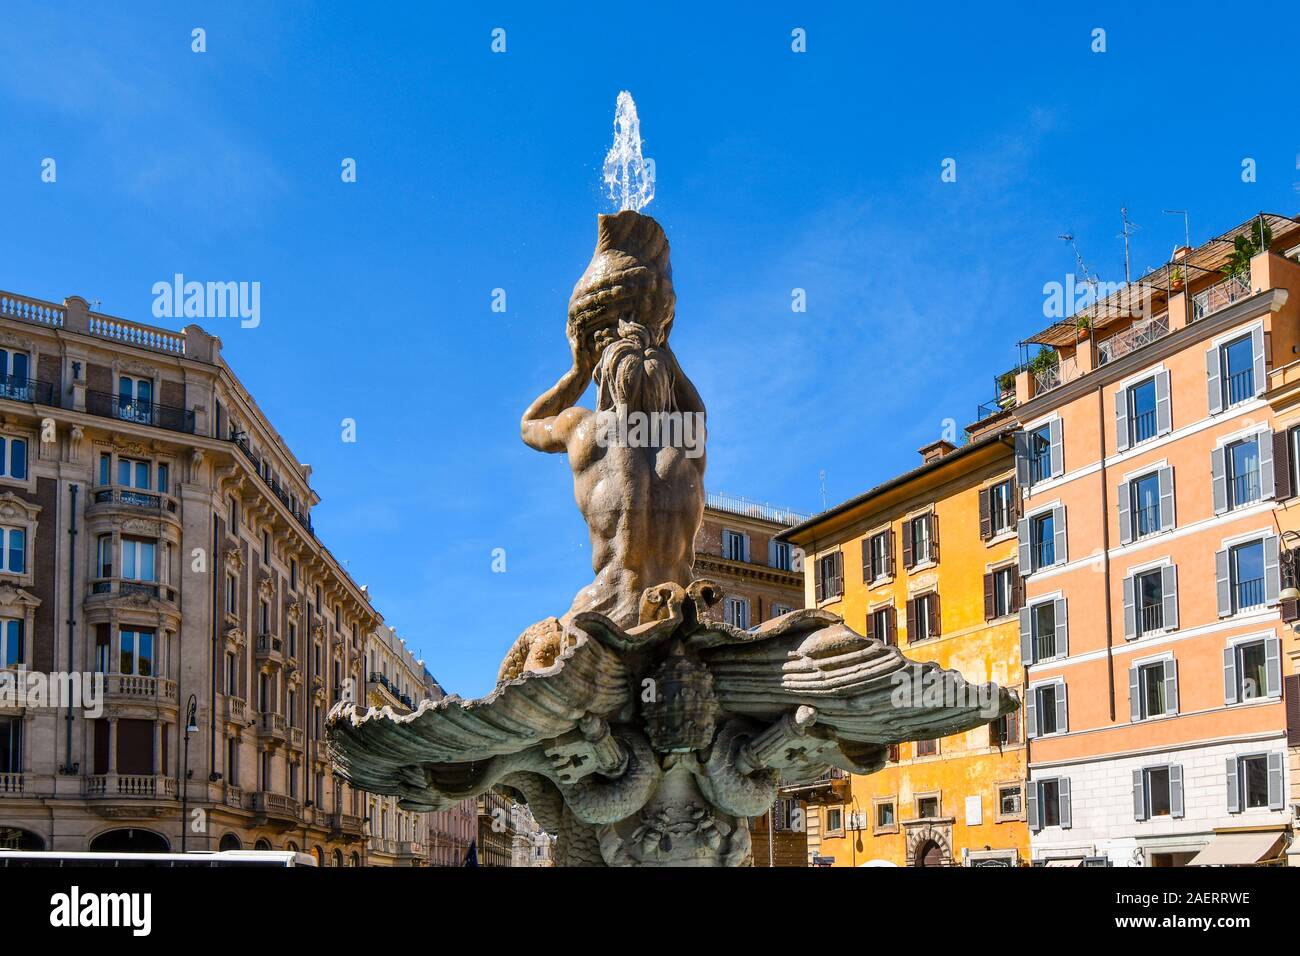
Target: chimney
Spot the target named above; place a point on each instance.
(936, 450)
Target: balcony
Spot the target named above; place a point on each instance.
(240, 441)
(11, 784)
(131, 501)
(380, 685)
(272, 727)
(830, 788)
(132, 590)
(1133, 338)
(235, 710)
(296, 738)
(1151, 617)
(28, 390)
(234, 796)
(126, 409)
(129, 785)
(1248, 594)
(135, 688)
(409, 850)
(344, 826)
(1221, 295)
(269, 649)
(275, 809)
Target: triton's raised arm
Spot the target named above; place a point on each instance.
(551, 418)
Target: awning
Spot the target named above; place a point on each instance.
(1238, 849)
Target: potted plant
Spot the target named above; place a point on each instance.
(1083, 325)
(1176, 280)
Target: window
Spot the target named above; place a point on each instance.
(1045, 713)
(136, 654)
(1001, 589)
(998, 503)
(835, 819)
(923, 617)
(927, 748)
(1049, 803)
(830, 576)
(1144, 498)
(1043, 634)
(264, 617)
(1038, 450)
(885, 817)
(1158, 792)
(1255, 782)
(138, 557)
(134, 474)
(881, 625)
(13, 458)
(736, 612)
(1010, 801)
(13, 550)
(11, 642)
(15, 375)
(735, 546)
(1142, 411)
(780, 556)
(232, 675)
(779, 609)
(266, 546)
(293, 574)
(1003, 731)
(1237, 359)
(1150, 602)
(234, 513)
(293, 639)
(877, 564)
(1153, 689)
(103, 649)
(11, 745)
(1042, 542)
(1252, 669)
(135, 399)
(232, 594)
(1247, 570)
(921, 540)
(927, 808)
(318, 605)
(1243, 463)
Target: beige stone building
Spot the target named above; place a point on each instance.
(157, 534)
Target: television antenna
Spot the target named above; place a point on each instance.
(1129, 229)
(1080, 267)
(1187, 227)
(822, 477)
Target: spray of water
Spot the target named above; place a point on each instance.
(628, 176)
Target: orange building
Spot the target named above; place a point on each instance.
(882, 563)
(1151, 468)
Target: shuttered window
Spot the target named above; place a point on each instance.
(829, 580)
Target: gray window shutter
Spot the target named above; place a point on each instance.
(1121, 420)
(1219, 479)
(1026, 557)
(744, 548)
(1171, 686)
(1272, 570)
(1139, 795)
(1234, 790)
(1031, 806)
(1230, 675)
(1164, 409)
(1166, 479)
(1062, 629)
(1169, 595)
(1058, 526)
(1031, 714)
(1275, 781)
(1022, 459)
(1273, 667)
(1026, 638)
(1134, 694)
(1261, 370)
(1176, 790)
(1214, 380)
(1063, 787)
(1057, 451)
(1123, 498)
(1130, 608)
(1062, 712)
(1223, 583)
(1267, 484)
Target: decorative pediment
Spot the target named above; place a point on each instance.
(235, 558)
(266, 585)
(15, 597)
(17, 510)
(234, 635)
(293, 611)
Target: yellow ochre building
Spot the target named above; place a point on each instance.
(928, 561)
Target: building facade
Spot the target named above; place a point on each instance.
(1157, 479)
(158, 538)
(880, 562)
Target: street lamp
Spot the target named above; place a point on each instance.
(191, 727)
(1292, 590)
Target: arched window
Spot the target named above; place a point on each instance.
(338, 858)
(356, 858)
(230, 842)
(319, 855)
(262, 844)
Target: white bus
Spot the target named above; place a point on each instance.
(260, 858)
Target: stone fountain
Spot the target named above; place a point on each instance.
(639, 729)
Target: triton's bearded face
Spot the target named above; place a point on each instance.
(633, 374)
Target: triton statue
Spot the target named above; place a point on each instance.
(638, 729)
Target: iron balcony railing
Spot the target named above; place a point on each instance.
(1151, 617)
(28, 390)
(1220, 295)
(1144, 426)
(1044, 553)
(743, 506)
(1146, 520)
(241, 442)
(136, 499)
(108, 405)
(1040, 465)
(1133, 338)
(1240, 386)
(1045, 645)
(1246, 488)
(1249, 593)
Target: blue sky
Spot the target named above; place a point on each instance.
(478, 171)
